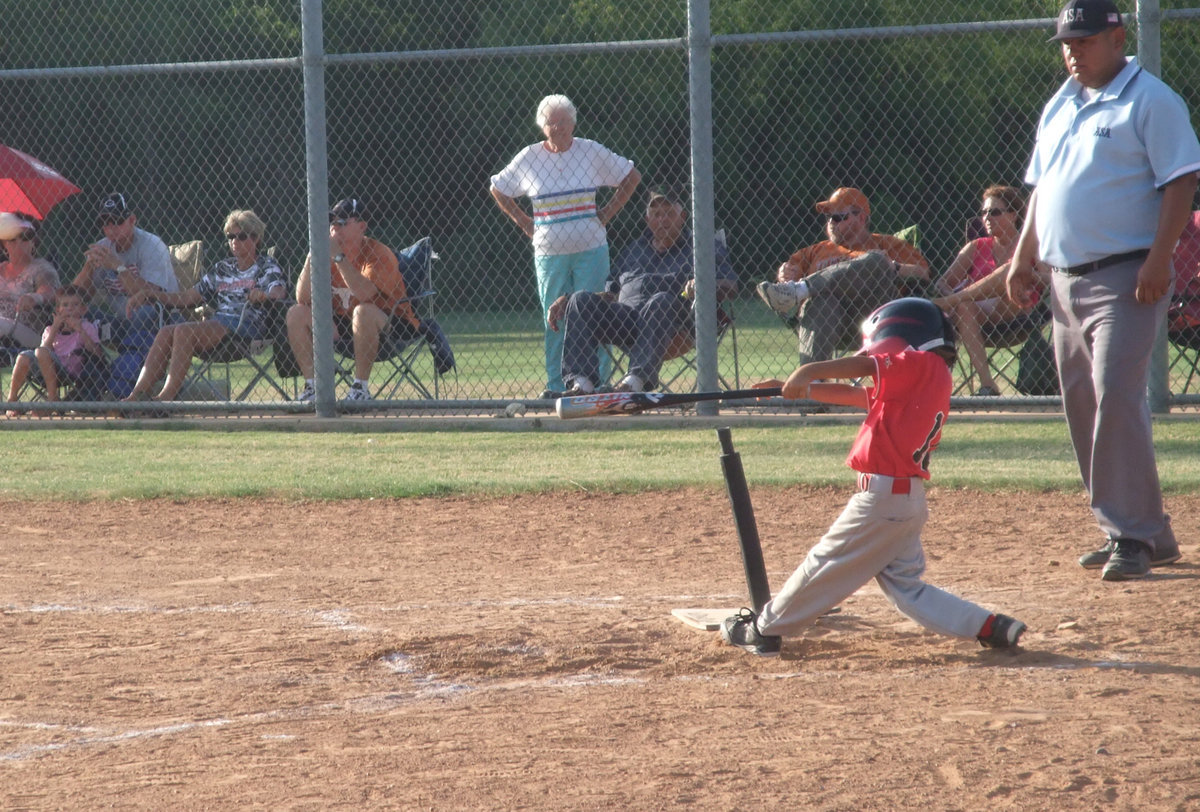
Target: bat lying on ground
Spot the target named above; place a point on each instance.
(603, 404)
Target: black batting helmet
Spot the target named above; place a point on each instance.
(911, 322)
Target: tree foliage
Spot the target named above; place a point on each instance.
(922, 123)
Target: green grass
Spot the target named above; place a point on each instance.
(500, 356)
(108, 464)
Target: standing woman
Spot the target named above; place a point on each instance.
(1002, 214)
(560, 176)
(245, 278)
(27, 285)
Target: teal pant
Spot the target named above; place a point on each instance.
(561, 275)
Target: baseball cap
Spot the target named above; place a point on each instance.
(671, 194)
(350, 207)
(847, 197)
(1084, 18)
(115, 208)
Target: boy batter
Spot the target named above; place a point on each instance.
(908, 345)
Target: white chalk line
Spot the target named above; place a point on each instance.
(427, 686)
(338, 616)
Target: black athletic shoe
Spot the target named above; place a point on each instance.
(740, 630)
(1005, 632)
(1130, 560)
(1098, 558)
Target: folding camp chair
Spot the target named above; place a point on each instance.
(1007, 353)
(400, 351)
(1183, 316)
(682, 349)
(89, 385)
(233, 369)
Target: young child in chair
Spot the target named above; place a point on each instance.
(908, 347)
(65, 344)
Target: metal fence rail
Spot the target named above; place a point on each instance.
(756, 109)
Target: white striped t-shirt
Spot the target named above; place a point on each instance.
(562, 188)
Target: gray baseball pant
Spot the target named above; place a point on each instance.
(1102, 343)
(878, 535)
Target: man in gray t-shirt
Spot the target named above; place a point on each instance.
(127, 260)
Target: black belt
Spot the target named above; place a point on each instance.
(1111, 259)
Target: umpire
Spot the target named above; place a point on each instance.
(1114, 167)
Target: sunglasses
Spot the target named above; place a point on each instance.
(24, 236)
(240, 235)
(837, 218)
(110, 220)
(336, 220)
(993, 212)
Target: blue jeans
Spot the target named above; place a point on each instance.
(248, 326)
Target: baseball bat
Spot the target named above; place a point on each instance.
(613, 403)
(743, 519)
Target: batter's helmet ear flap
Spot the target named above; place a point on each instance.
(949, 348)
(918, 322)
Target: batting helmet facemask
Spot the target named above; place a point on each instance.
(910, 322)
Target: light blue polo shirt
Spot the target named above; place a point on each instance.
(1099, 165)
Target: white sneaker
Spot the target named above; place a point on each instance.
(308, 394)
(357, 392)
(630, 383)
(783, 297)
(579, 386)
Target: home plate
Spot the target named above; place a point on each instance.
(706, 620)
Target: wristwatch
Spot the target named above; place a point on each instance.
(339, 257)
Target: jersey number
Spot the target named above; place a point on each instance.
(921, 455)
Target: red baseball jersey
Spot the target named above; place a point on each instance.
(906, 409)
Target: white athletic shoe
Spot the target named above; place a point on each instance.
(783, 297)
(630, 383)
(579, 386)
(308, 395)
(357, 392)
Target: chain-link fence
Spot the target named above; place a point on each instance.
(196, 109)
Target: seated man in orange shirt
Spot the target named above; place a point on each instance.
(367, 289)
(835, 283)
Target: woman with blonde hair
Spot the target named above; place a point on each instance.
(560, 175)
(246, 277)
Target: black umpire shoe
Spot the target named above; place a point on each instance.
(740, 630)
(1004, 632)
(1098, 558)
(1130, 560)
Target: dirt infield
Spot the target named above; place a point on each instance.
(519, 653)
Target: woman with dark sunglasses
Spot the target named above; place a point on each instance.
(245, 278)
(27, 285)
(973, 302)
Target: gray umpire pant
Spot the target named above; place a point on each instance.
(1102, 343)
(840, 297)
(877, 536)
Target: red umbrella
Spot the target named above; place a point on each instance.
(28, 185)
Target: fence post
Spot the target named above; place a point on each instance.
(1149, 52)
(699, 45)
(317, 165)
